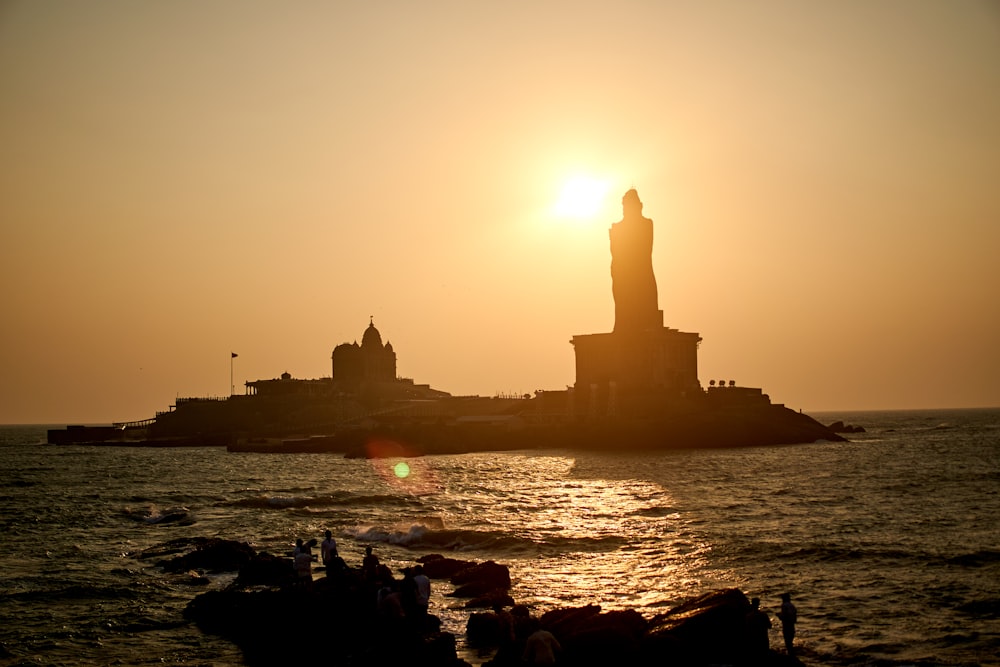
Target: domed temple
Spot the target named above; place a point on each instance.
(371, 361)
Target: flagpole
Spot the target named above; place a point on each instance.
(232, 387)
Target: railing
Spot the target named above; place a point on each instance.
(199, 399)
(142, 423)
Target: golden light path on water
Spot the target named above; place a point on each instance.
(572, 534)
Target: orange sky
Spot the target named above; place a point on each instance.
(181, 180)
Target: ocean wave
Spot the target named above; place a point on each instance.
(830, 553)
(420, 536)
(181, 516)
(834, 553)
(17, 484)
(266, 501)
(976, 559)
(77, 592)
(981, 608)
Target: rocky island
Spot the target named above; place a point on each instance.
(636, 388)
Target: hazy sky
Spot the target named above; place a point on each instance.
(182, 180)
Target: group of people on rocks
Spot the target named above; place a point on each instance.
(403, 604)
(406, 601)
(758, 625)
(303, 558)
(396, 600)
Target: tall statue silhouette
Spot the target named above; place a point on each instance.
(632, 281)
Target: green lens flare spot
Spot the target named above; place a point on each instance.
(401, 470)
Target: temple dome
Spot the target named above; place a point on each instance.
(371, 337)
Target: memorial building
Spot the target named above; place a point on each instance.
(641, 368)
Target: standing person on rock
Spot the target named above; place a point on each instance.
(788, 615)
(303, 564)
(369, 565)
(423, 583)
(757, 625)
(328, 552)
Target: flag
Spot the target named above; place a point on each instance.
(234, 355)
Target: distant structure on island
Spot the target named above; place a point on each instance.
(371, 361)
(366, 372)
(636, 386)
(641, 367)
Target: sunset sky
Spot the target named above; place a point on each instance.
(183, 180)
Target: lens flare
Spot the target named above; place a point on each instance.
(401, 465)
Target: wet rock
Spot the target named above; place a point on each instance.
(483, 629)
(561, 622)
(213, 555)
(613, 637)
(841, 427)
(195, 579)
(708, 628)
(339, 613)
(437, 566)
(486, 576)
(490, 599)
(273, 626)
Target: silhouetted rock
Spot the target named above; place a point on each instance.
(212, 554)
(193, 578)
(841, 427)
(706, 629)
(607, 638)
(480, 579)
(483, 629)
(490, 599)
(265, 569)
(274, 625)
(561, 621)
(437, 566)
(487, 581)
(278, 626)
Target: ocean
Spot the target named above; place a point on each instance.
(889, 543)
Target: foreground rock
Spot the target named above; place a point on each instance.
(275, 622)
(709, 630)
(284, 626)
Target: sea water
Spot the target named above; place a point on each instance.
(889, 543)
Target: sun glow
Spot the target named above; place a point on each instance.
(581, 197)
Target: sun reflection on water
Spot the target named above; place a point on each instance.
(620, 543)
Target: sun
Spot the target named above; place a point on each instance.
(581, 197)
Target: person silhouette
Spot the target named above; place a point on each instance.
(788, 615)
(541, 647)
(757, 625)
(423, 584)
(369, 565)
(328, 551)
(303, 563)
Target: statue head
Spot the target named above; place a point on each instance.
(631, 206)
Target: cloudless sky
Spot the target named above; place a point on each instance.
(183, 180)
